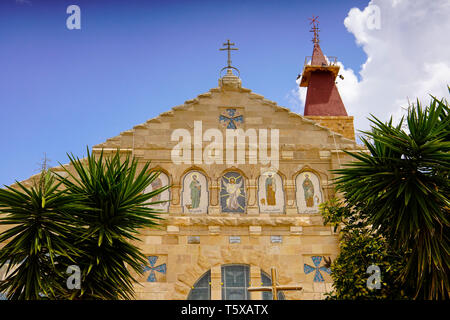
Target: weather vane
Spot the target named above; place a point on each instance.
(315, 28)
(228, 46)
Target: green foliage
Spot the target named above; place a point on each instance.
(360, 247)
(39, 218)
(401, 189)
(90, 219)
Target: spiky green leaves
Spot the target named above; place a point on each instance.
(38, 220)
(90, 219)
(401, 187)
(113, 190)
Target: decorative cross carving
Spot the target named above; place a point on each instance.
(274, 288)
(232, 118)
(161, 268)
(316, 261)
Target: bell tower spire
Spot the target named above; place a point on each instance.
(323, 101)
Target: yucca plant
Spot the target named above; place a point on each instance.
(401, 187)
(113, 190)
(39, 221)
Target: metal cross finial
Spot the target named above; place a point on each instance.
(228, 45)
(315, 28)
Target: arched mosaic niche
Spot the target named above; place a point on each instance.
(195, 194)
(161, 181)
(308, 192)
(233, 197)
(271, 193)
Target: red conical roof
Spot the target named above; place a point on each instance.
(322, 97)
(318, 59)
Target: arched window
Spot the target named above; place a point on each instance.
(202, 288)
(235, 279)
(235, 284)
(267, 282)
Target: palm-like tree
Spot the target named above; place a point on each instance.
(113, 191)
(401, 187)
(39, 218)
(88, 219)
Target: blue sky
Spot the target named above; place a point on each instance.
(62, 90)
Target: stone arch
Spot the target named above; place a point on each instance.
(203, 283)
(233, 168)
(166, 179)
(209, 258)
(193, 168)
(306, 167)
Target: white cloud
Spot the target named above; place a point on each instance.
(408, 57)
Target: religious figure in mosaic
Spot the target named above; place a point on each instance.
(194, 195)
(155, 185)
(270, 191)
(196, 190)
(308, 192)
(308, 189)
(232, 193)
(163, 198)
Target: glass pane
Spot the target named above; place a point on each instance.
(201, 290)
(235, 276)
(235, 294)
(199, 294)
(204, 281)
(235, 280)
(267, 281)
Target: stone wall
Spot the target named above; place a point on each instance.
(188, 245)
(339, 124)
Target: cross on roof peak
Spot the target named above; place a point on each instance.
(228, 47)
(315, 28)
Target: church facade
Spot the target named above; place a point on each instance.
(247, 177)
